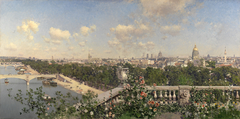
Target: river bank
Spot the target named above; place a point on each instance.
(32, 71)
(76, 86)
(73, 85)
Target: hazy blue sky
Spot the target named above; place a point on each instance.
(113, 28)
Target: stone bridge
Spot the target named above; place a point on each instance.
(28, 78)
(15, 64)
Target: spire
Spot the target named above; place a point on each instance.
(225, 51)
(225, 55)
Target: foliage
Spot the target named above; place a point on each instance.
(211, 64)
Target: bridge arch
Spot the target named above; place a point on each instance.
(27, 78)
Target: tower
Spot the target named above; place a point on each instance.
(159, 54)
(225, 55)
(89, 56)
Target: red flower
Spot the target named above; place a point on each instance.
(157, 104)
(154, 84)
(142, 93)
(142, 82)
(145, 95)
(149, 102)
(152, 102)
(140, 97)
(203, 105)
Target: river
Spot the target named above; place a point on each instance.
(9, 108)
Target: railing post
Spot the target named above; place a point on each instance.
(166, 98)
(174, 97)
(184, 95)
(161, 97)
(237, 96)
(170, 97)
(155, 94)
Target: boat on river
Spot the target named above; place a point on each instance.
(53, 83)
(6, 81)
(49, 82)
(46, 97)
(46, 82)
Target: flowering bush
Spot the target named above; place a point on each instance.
(138, 101)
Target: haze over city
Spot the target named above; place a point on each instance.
(125, 28)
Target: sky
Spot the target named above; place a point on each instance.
(118, 28)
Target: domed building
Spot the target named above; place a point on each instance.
(195, 53)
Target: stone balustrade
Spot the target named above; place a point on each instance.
(172, 94)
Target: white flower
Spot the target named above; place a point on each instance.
(106, 108)
(144, 105)
(91, 113)
(85, 111)
(113, 115)
(106, 115)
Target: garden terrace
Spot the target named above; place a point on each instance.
(169, 94)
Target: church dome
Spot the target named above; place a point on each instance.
(195, 48)
(195, 53)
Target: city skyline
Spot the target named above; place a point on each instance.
(125, 28)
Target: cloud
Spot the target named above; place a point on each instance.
(58, 34)
(185, 21)
(64, 53)
(37, 46)
(164, 37)
(47, 40)
(82, 43)
(53, 49)
(56, 42)
(11, 47)
(148, 46)
(33, 26)
(125, 33)
(20, 54)
(83, 50)
(76, 36)
(200, 24)
(0, 37)
(115, 44)
(107, 51)
(86, 30)
(162, 8)
(71, 48)
(28, 27)
(171, 30)
(126, 36)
